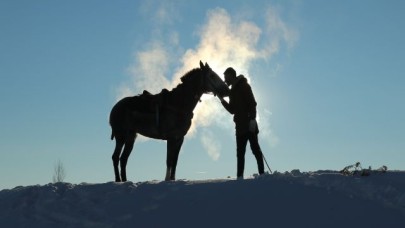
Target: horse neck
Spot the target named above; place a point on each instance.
(185, 97)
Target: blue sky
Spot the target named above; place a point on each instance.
(327, 75)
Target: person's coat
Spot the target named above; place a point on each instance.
(242, 105)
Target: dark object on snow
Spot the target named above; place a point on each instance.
(357, 170)
(165, 116)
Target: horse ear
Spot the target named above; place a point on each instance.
(206, 65)
(201, 65)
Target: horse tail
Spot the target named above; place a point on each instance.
(112, 134)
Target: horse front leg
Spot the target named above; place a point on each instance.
(168, 171)
(173, 150)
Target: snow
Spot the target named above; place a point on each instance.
(291, 199)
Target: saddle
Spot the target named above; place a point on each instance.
(153, 102)
(151, 105)
(155, 108)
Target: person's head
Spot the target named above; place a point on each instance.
(230, 76)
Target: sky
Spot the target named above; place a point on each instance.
(327, 77)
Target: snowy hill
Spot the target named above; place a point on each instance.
(293, 199)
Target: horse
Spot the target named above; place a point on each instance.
(165, 116)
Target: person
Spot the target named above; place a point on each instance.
(242, 105)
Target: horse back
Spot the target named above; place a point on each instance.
(150, 115)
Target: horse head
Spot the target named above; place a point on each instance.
(212, 83)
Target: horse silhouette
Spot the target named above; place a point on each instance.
(166, 116)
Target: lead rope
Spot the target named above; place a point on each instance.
(264, 158)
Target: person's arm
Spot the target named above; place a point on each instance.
(226, 105)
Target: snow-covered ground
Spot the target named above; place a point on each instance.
(292, 199)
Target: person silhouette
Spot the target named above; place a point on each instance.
(242, 105)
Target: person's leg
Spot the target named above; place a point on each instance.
(241, 141)
(257, 152)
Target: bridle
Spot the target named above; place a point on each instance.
(205, 80)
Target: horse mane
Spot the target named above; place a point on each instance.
(186, 78)
(188, 75)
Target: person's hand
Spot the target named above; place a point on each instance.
(252, 126)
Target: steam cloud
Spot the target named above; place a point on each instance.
(212, 146)
(224, 41)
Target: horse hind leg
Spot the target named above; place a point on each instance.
(119, 144)
(129, 145)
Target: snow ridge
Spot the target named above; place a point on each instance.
(291, 199)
